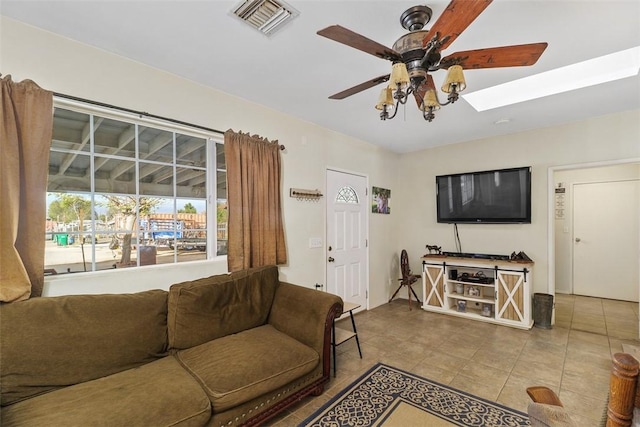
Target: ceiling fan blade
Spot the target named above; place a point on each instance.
(455, 19)
(422, 89)
(357, 41)
(496, 57)
(360, 87)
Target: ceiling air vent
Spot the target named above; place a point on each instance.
(266, 16)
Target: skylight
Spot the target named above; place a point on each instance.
(615, 66)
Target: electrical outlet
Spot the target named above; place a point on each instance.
(315, 242)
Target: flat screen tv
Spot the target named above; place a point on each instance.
(493, 197)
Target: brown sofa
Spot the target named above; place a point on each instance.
(225, 350)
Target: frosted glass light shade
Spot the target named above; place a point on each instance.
(386, 98)
(455, 77)
(400, 75)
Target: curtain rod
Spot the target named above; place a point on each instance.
(140, 113)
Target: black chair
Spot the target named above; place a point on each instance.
(407, 279)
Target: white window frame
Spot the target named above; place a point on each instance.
(214, 139)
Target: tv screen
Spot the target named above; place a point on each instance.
(497, 196)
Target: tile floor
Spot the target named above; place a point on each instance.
(495, 362)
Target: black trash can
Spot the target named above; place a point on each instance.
(542, 310)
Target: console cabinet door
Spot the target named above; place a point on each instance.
(511, 296)
(433, 286)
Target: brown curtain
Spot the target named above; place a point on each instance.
(256, 231)
(26, 112)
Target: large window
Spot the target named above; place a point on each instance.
(125, 191)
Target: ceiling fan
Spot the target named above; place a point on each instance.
(418, 53)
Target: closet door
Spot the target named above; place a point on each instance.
(606, 235)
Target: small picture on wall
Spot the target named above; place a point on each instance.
(380, 200)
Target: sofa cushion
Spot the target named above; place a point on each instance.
(48, 343)
(237, 368)
(160, 393)
(216, 306)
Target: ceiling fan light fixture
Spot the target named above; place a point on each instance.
(399, 75)
(385, 99)
(418, 54)
(430, 101)
(455, 80)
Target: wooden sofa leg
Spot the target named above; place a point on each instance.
(318, 390)
(622, 390)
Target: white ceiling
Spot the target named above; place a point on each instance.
(295, 70)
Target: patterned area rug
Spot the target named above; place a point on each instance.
(387, 396)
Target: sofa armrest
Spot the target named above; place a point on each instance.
(306, 315)
(548, 415)
(541, 394)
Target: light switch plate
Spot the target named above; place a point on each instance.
(315, 242)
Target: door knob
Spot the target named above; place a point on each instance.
(331, 259)
(577, 240)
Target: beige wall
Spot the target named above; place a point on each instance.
(64, 66)
(605, 138)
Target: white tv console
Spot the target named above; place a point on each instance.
(493, 290)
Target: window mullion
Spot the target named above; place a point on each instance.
(175, 199)
(212, 205)
(138, 220)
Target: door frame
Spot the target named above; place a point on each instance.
(551, 231)
(366, 225)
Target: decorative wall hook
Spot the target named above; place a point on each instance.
(302, 194)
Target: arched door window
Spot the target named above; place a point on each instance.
(347, 195)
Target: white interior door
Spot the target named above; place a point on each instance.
(606, 239)
(347, 230)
